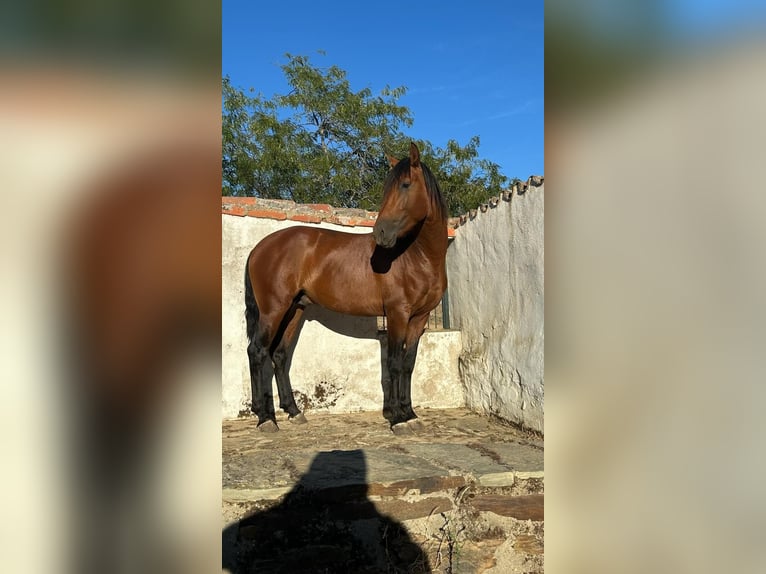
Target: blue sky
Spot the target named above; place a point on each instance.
(470, 68)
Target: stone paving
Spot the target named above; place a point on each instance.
(344, 494)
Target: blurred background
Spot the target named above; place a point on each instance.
(110, 250)
(654, 286)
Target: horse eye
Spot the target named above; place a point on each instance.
(406, 184)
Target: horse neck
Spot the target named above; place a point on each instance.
(432, 237)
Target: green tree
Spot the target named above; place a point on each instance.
(323, 142)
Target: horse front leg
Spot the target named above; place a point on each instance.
(415, 330)
(392, 410)
(405, 381)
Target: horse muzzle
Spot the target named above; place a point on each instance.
(384, 234)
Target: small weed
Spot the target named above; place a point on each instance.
(449, 534)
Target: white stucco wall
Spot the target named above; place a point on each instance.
(495, 271)
(336, 366)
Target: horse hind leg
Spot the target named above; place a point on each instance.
(281, 356)
(260, 384)
(259, 362)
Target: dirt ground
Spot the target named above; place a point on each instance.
(462, 495)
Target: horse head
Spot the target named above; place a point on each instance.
(406, 200)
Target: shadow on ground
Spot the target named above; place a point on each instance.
(325, 524)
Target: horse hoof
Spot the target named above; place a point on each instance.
(416, 425)
(298, 419)
(268, 426)
(401, 429)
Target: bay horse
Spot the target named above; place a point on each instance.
(398, 272)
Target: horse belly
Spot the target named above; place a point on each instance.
(346, 296)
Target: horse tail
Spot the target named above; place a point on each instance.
(251, 306)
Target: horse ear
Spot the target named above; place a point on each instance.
(392, 161)
(414, 155)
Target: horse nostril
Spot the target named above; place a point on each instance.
(379, 234)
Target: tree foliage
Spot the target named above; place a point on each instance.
(323, 142)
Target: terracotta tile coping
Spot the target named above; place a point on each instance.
(282, 210)
(304, 213)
